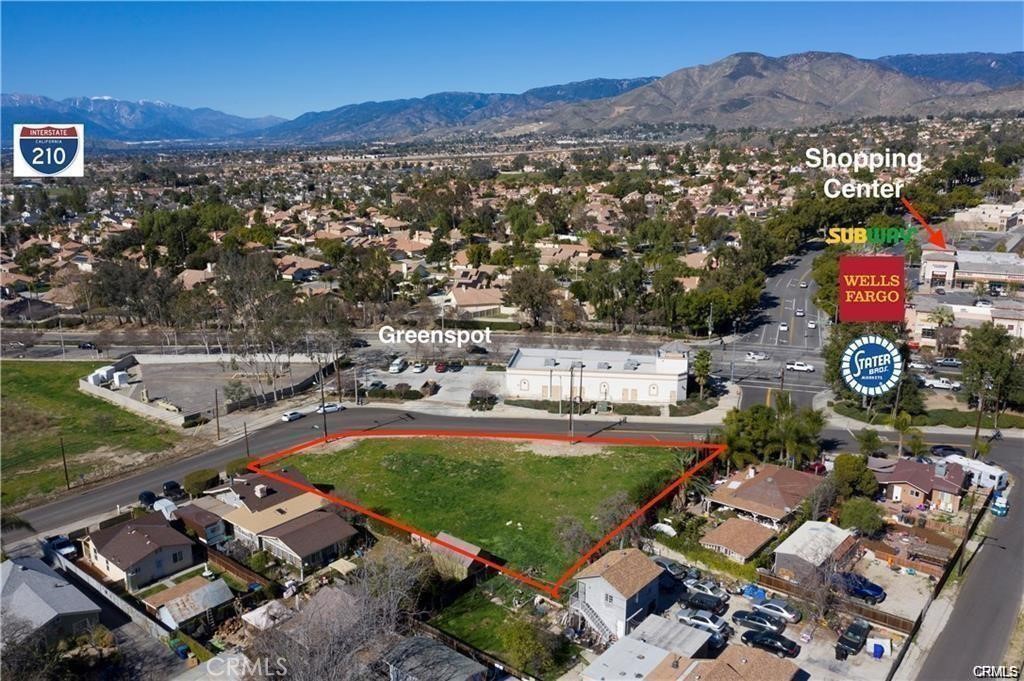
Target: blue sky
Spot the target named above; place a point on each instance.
(252, 58)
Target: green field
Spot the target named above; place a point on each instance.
(500, 496)
(39, 403)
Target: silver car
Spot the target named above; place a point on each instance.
(707, 587)
(779, 608)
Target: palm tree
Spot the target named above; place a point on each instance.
(943, 318)
(702, 369)
(869, 441)
(902, 425)
(12, 521)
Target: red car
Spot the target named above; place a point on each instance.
(440, 367)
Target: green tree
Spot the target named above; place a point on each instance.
(870, 442)
(902, 425)
(863, 514)
(992, 367)
(525, 647)
(702, 369)
(197, 481)
(530, 290)
(853, 477)
(797, 431)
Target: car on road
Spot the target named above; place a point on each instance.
(803, 284)
(701, 601)
(329, 408)
(858, 586)
(800, 366)
(1000, 507)
(476, 350)
(942, 383)
(147, 498)
(919, 365)
(949, 362)
(676, 569)
(358, 343)
(86, 346)
(783, 326)
(419, 367)
(398, 365)
(702, 619)
(777, 607)
(62, 545)
(947, 450)
(758, 621)
(754, 356)
(799, 312)
(291, 416)
(173, 490)
(441, 367)
(983, 303)
(708, 587)
(940, 291)
(773, 643)
(853, 638)
(811, 324)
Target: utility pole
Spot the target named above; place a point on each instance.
(64, 458)
(60, 333)
(216, 411)
(711, 317)
(981, 402)
(572, 383)
(323, 411)
(967, 530)
(245, 430)
(732, 361)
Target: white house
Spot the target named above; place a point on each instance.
(612, 376)
(616, 592)
(982, 474)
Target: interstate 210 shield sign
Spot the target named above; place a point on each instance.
(49, 150)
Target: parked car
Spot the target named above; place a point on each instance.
(919, 365)
(455, 367)
(147, 498)
(853, 638)
(329, 408)
(702, 619)
(398, 365)
(756, 356)
(291, 416)
(758, 621)
(942, 383)
(86, 346)
(676, 569)
(62, 545)
(779, 608)
(1000, 507)
(173, 490)
(949, 362)
(441, 367)
(358, 343)
(773, 643)
(476, 350)
(705, 602)
(859, 587)
(378, 385)
(947, 450)
(800, 366)
(419, 367)
(706, 586)
(784, 326)
(940, 291)
(799, 312)
(803, 284)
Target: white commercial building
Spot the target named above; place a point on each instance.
(599, 375)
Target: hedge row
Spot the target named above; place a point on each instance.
(953, 418)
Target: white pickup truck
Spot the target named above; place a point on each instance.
(799, 366)
(941, 383)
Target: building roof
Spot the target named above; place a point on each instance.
(627, 658)
(128, 543)
(766, 490)
(626, 570)
(597, 362)
(244, 487)
(741, 536)
(462, 560)
(671, 636)
(211, 504)
(742, 663)
(989, 262)
(312, 532)
(35, 592)
(814, 541)
(267, 615)
(424, 659)
(924, 476)
(191, 598)
(196, 517)
(271, 517)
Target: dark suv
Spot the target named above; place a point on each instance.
(853, 639)
(705, 602)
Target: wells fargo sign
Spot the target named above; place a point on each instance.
(872, 288)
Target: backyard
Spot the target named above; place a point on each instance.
(40, 404)
(506, 497)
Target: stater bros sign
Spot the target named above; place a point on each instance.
(872, 288)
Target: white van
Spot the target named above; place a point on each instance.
(397, 366)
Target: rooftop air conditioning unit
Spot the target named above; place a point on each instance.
(262, 491)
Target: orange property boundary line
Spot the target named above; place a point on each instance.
(549, 588)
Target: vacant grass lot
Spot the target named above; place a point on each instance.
(39, 403)
(498, 495)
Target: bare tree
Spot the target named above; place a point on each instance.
(26, 653)
(612, 511)
(574, 537)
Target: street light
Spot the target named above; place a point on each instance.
(732, 360)
(981, 402)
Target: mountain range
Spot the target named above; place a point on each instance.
(745, 89)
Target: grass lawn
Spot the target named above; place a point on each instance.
(185, 576)
(40, 403)
(500, 496)
(151, 591)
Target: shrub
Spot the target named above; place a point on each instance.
(238, 466)
(481, 400)
(636, 410)
(258, 561)
(495, 367)
(691, 407)
(863, 514)
(195, 482)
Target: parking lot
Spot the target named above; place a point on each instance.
(456, 386)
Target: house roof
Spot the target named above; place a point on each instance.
(670, 635)
(274, 516)
(742, 663)
(196, 517)
(628, 658)
(191, 598)
(474, 297)
(741, 536)
(244, 487)
(312, 532)
(626, 570)
(924, 476)
(424, 658)
(766, 490)
(32, 590)
(126, 544)
(814, 541)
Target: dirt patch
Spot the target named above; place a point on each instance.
(546, 448)
(939, 400)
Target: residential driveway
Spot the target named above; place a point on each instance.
(144, 658)
(905, 595)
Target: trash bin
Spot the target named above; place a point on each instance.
(877, 651)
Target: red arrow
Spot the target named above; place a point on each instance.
(935, 236)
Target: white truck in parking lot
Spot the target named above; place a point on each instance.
(941, 383)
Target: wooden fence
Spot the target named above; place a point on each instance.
(232, 566)
(470, 651)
